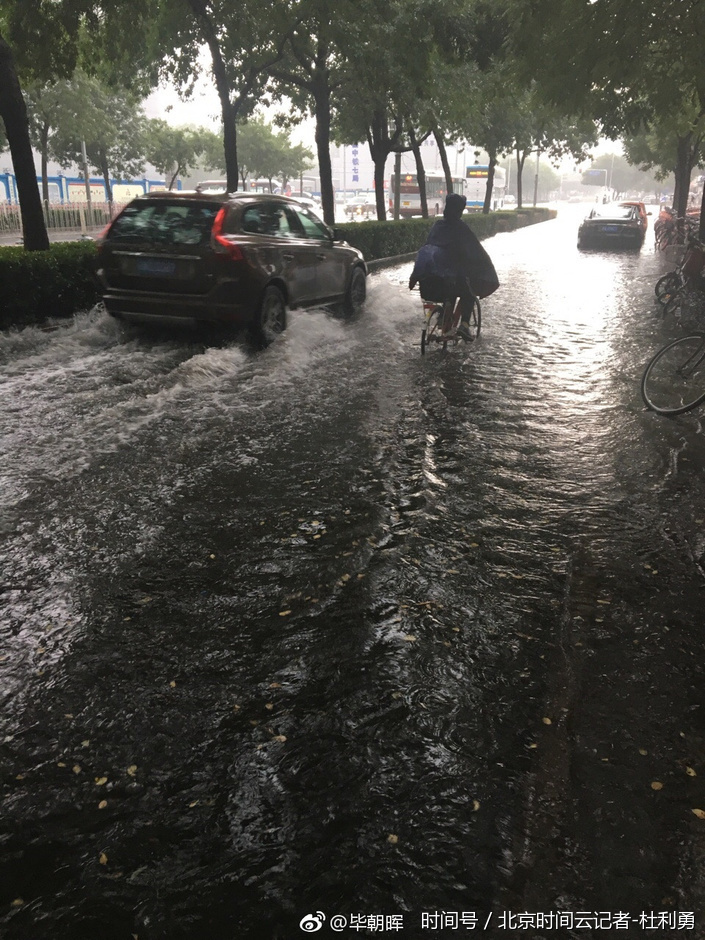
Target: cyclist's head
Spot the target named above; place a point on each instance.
(455, 206)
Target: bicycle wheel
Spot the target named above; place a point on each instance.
(666, 286)
(674, 380)
(423, 342)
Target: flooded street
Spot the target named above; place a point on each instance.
(341, 631)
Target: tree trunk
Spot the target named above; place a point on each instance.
(220, 76)
(443, 153)
(44, 142)
(378, 142)
(490, 183)
(521, 157)
(105, 170)
(379, 160)
(14, 114)
(321, 98)
(683, 171)
(420, 173)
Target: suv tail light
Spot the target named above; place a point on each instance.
(223, 246)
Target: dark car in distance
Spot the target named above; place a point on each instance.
(612, 226)
(224, 259)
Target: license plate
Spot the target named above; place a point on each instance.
(156, 267)
(610, 228)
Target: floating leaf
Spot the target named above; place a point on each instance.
(284, 613)
(132, 770)
(547, 721)
(700, 813)
(475, 805)
(643, 752)
(657, 785)
(76, 768)
(392, 839)
(690, 772)
(101, 781)
(281, 738)
(18, 902)
(102, 804)
(103, 858)
(172, 684)
(410, 638)
(269, 706)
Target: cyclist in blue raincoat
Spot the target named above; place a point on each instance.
(453, 264)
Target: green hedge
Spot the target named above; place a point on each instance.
(36, 285)
(389, 240)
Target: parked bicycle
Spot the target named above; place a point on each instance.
(670, 229)
(674, 380)
(672, 288)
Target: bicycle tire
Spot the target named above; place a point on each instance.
(674, 379)
(423, 342)
(666, 286)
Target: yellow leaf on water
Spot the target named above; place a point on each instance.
(700, 813)
(657, 785)
(269, 706)
(172, 684)
(18, 902)
(547, 721)
(275, 685)
(103, 858)
(76, 768)
(410, 638)
(281, 738)
(643, 752)
(475, 805)
(100, 781)
(690, 772)
(102, 804)
(132, 769)
(284, 613)
(145, 600)
(392, 839)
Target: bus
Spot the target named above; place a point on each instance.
(410, 200)
(476, 186)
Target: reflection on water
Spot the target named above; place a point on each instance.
(284, 628)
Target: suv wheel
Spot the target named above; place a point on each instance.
(270, 320)
(356, 293)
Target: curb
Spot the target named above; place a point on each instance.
(390, 262)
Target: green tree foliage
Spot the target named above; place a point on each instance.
(628, 65)
(110, 122)
(263, 153)
(173, 151)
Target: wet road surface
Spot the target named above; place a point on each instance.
(412, 641)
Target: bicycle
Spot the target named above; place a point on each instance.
(674, 379)
(441, 320)
(671, 287)
(671, 230)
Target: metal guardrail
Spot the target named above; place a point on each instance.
(66, 217)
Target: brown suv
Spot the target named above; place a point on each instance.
(228, 259)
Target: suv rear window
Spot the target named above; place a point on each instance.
(165, 223)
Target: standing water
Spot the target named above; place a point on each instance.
(341, 631)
